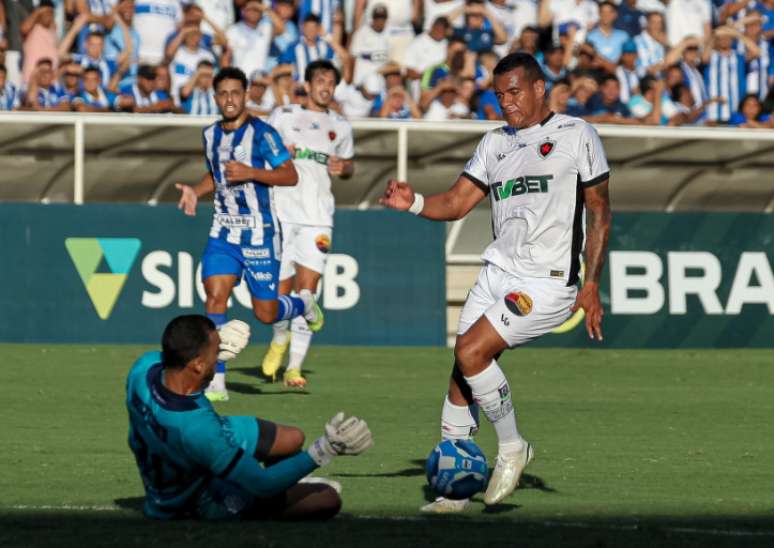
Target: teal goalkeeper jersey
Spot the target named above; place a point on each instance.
(181, 444)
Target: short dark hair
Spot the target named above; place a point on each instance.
(606, 78)
(3, 69)
(512, 61)
(321, 65)
(92, 68)
(312, 18)
(230, 73)
(97, 33)
(647, 83)
(184, 339)
(147, 72)
(44, 61)
(676, 91)
(205, 63)
(46, 4)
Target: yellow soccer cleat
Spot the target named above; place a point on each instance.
(293, 378)
(315, 319)
(272, 361)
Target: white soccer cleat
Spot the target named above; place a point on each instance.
(442, 505)
(322, 481)
(507, 472)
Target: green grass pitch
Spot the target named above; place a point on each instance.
(633, 448)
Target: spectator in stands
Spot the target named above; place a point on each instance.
(197, 95)
(488, 106)
(403, 17)
(40, 34)
(690, 113)
(218, 14)
(766, 9)
(93, 97)
(145, 95)
(10, 98)
(481, 30)
(626, 71)
(583, 88)
(433, 9)
(554, 64)
(427, 50)
(750, 114)
(459, 64)
(651, 45)
(259, 101)
(528, 43)
(524, 14)
(369, 47)
(94, 49)
(186, 58)
(503, 12)
(629, 17)
(41, 93)
(250, 39)
(281, 91)
(70, 74)
(652, 106)
(584, 14)
(760, 70)
(115, 40)
(560, 96)
(312, 46)
(357, 101)
(688, 18)
(193, 16)
(397, 105)
(607, 40)
(450, 104)
(605, 107)
(328, 12)
(285, 10)
(163, 80)
(590, 62)
(155, 20)
(724, 72)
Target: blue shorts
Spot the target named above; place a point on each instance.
(259, 264)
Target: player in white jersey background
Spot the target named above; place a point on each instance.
(321, 144)
(246, 159)
(539, 171)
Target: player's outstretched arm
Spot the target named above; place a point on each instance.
(451, 205)
(189, 195)
(283, 175)
(597, 201)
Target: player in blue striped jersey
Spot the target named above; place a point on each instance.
(245, 234)
(197, 464)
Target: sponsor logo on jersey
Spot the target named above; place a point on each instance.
(323, 243)
(520, 185)
(272, 143)
(256, 253)
(519, 303)
(262, 276)
(235, 221)
(309, 154)
(546, 147)
(315, 125)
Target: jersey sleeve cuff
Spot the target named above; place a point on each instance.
(476, 181)
(280, 159)
(596, 180)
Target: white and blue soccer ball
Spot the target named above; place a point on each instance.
(457, 469)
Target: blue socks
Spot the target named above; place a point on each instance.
(289, 307)
(218, 320)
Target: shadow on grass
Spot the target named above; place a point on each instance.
(127, 527)
(251, 389)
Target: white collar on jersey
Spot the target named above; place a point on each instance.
(513, 131)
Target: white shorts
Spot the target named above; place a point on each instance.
(520, 309)
(304, 245)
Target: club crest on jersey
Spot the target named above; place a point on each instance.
(323, 243)
(332, 135)
(546, 147)
(519, 303)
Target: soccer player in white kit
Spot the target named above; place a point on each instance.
(539, 171)
(321, 144)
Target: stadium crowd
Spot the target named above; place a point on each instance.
(670, 62)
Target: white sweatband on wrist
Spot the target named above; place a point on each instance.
(321, 452)
(418, 205)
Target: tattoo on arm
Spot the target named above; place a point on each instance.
(598, 217)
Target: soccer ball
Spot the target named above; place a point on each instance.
(457, 469)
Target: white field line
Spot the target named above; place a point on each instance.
(447, 518)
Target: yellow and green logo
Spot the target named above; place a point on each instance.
(103, 265)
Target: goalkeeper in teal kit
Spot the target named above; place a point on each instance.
(197, 464)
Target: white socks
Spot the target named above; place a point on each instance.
(218, 382)
(281, 332)
(493, 394)
(299, 342)
(458, 422)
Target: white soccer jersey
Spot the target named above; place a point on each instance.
(535, 179)
(316, 136)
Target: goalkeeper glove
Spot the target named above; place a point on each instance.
(234, 336)
(343, 436)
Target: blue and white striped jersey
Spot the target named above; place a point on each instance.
(245, 212)
(725, 77)
(10, 97)
(695, 82)
(324, 9)
(649, 50)
(300, 54)
(107, 67)
(759, 70)
(141, 100)
(200, 102)
(629, 81)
